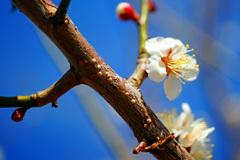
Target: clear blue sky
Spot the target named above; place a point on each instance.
(212, 28)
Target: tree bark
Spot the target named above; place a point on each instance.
(89, 68)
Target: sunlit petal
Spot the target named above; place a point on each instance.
(172, 87)
(154, 45)
(206, 132)
(191, 74)
(158, 46)
(156, 69)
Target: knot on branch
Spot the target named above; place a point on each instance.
(142, 146)
(55, 104)
(60, 15)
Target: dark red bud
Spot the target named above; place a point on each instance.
(18, 114)
(152, 6)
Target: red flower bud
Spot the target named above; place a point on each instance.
(152, 6)
(125, 11)
(18, 114)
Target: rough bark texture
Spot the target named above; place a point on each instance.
(89, 68)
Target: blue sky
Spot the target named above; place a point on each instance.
(29, 63)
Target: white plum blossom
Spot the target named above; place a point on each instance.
(191, 134)
(169, 58)
(200, 150)
(176, 123)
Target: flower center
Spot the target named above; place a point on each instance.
(178, 62)
(166, 60)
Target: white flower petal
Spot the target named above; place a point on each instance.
(174, 43)
(186, 107)
(196, 147)
(185, 140)
(176, 132)
(171, 43)
(172, 87)
(154, 45)
(192, 61)
(161, 46)
(206, 132)
(192, 75)
(156, 69)
(186, 117)
(199, 123)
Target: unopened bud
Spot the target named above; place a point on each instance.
(18, 114)
(152, 6)
(125, 11)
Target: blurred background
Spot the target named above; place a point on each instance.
(84, 126)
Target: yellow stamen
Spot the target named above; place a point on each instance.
(187, 46)
(210, 156)
(193, 55)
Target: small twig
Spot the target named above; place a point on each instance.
(156, 145)
(143, 26)
(140, 146)
(18, 101)
(62, 11)
(140, 74)
(42, 98)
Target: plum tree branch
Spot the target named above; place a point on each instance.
(44, 97)
(87, 67)
(143, 26)
(140, 74)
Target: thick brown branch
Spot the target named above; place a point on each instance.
(90, 69)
